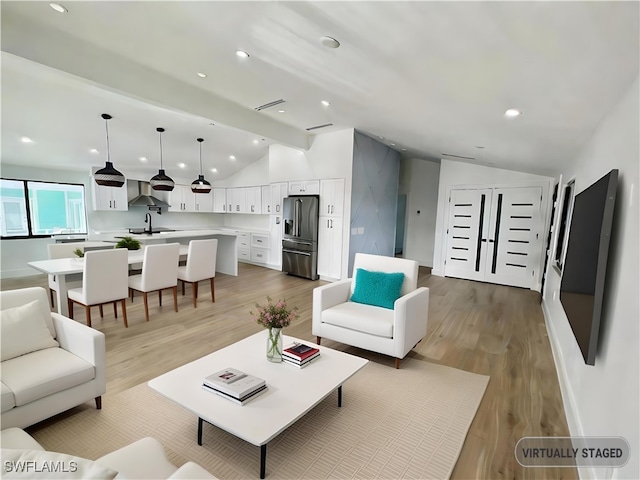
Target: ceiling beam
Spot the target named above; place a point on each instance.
(56, 49)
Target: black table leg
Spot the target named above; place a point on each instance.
(340, 396)
(200, 431)
(263, 460)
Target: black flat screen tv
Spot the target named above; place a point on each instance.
(583, 275)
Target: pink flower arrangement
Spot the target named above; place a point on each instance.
(274, 315)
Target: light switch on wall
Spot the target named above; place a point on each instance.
(361, 231)
(354, 231)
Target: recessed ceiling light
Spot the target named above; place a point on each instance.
(58, 8)
(329, 42)
(242, 54)
(26, 140)
(233, 157)
(214, 170)
(512, 113)
(380, 137)
(325, 103)
(201, 75)
(143, 159)
(94, 151)
(182, 165)
(480, 146)
(403, 149)
(392, 144)
(280, 111)
(256, 142)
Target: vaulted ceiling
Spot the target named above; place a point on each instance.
(430, 79)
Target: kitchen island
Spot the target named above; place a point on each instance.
(227, 258)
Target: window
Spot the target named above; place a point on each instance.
(563, 226)
(34, 209)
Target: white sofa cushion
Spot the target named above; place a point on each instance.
(24, 330)
(14, 437)
(40, 464)
(361, 318)
(189, 471)
(8, 401)
(133, 460)
(34, 376)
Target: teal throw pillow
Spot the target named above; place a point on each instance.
(377, 288)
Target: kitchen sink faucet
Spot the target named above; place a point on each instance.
(147, 219)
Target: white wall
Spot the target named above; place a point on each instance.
(419, 179)
(454, 173)
(604, 400)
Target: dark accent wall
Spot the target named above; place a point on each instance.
(374, 198)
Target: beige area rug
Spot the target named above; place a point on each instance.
(407, 423)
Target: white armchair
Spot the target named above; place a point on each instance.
(391, 332)
(42, 378)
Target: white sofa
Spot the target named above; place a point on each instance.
(143, 459)
(50, 363)
(388, 331)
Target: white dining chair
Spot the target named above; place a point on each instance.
(61, 250)
(104, 281)
(201, 265)
(159, 272)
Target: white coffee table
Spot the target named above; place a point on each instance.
(291, 392)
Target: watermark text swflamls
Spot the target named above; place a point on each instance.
(34, 466)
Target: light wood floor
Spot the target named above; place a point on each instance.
(488, 329)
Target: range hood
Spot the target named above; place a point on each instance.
(139, 194)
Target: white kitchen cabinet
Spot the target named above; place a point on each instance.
(253, 198)
(181, 199)
(304, 187)
(203, 202)
(332, 197)
(266, 199)
(219, 200)
(279, 191)
(109, 198)
(236, 200)
(330, 247)
(275, 241)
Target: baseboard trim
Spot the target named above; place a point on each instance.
(568, 399)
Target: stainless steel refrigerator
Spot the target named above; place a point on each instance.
(300, 236)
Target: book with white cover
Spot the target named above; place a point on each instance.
(234, 382)
(239, 401)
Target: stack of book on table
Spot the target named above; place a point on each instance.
(234, 385)
(300, 354)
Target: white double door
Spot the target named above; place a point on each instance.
(494, 235)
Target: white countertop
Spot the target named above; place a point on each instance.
(178, 234)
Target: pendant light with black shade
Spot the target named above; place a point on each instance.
(108, 176)
(161, 181)
(200, 185)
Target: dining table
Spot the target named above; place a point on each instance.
(67, 270)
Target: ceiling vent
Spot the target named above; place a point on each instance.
(457, 156)
(269, 105)
(319, 126)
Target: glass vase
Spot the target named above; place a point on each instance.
(274, 345)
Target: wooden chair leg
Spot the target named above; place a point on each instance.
(175, 298)
(70, 307)
(99, 403)
(213, 294)
(123, 303)
(87, 310)
(160, 297)
(101, 311)
(318, 340)
(146, 305)
(398, 362)
(115, 309)
(194, 287)
(183, 282)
